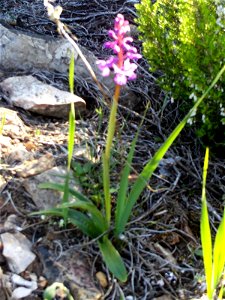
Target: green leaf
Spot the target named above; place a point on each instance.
(206, 247)
(106, 155)
(77, 218)
(219, 253)
(72, 129)
(214, 266)
(84, 223)
(124, 182)
(106, 186)
(206, 238)
(66, 196)
(71, 73)
(122, 194)
(150, 167)
(57, 212)
(222, 288)
(96, 215)
(60, 187)
(113, 259)
(72, 124)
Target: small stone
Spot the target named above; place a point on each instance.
(20, 292)
(12, 130)
(30, 146)
(17, 251)
(102, 279)
(16, 247)
(33, 167)
(42, 282)
(5, 141)
(19, 154)
(19, 280)
(130, 297)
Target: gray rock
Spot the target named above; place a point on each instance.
(47, 198)
(35, 96)
(28, 51)
(16, 247)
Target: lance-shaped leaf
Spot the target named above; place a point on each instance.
(150, 167)
(206, 237)
(60, 188)
(219, 252)
(112, 259)
(96, 216)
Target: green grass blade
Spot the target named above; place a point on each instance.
(219, 252)
(72, 124)
(124, 182)
(96, 215)
(50, 212)
(106, 186)
(150, 167)
(71, 73)
(221, 292)
(82, 202)
(66, 196)
(84, 223)
(112, 259)
(122, 194)
(60, 187)
(72, 129)
(206, 248)
(70, 137)
(206, 238)
(77, 218)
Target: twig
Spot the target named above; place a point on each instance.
(54, 15)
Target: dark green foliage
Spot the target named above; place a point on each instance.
(185, 40)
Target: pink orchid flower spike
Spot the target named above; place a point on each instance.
(120, 64)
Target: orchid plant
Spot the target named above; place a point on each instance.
(97, 222)
(123, 70)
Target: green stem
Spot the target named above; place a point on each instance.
(106, 155)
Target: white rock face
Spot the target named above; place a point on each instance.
(33, 95)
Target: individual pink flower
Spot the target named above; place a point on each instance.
(120, 64)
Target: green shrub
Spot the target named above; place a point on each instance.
(185, 40)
